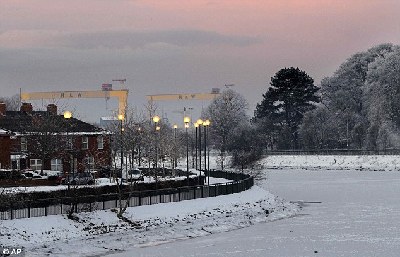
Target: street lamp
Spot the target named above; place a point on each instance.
(174, 160)
(186, 120)
(139, 145)
(200, 122)
(206, 124)
(196, 125)
(121, 119)
(156, 119)
(68, 116)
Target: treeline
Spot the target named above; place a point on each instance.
(358, 107)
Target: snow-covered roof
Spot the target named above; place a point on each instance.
(26, 123)
(109, 118)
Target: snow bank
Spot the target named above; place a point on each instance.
(333, 162)
(102, 232)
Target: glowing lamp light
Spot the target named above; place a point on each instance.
(67, 115)
(156, 119)
(186, 120)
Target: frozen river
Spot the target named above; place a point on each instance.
(358, 215)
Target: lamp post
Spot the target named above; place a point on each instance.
(156, 119)
(200, 122)
(139, 145)
(174, 162)
(121, 119)
(186, 120)
(196, 125)
(158, 151)
(68, 116)
(206, 124)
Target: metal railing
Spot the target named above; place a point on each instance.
(88, 203)
(335, 152)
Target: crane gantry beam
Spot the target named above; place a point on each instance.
(176, 97)
(122, 96)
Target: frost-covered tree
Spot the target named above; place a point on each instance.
(315, 130)
(358, 102)
(135, 125)
(382, 94)
(291, 94)
(226, 112)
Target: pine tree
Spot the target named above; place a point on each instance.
(291, 94)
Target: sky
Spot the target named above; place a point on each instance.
(171, 46)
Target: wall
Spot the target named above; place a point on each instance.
(5, 150)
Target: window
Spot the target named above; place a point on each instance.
(36, 164)
(24, 144)
(56, 164)
(69, 143)
(85, 143)
(89, 161)
(100, 142)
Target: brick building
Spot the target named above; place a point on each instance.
(46, 140)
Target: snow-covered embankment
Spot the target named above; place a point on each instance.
(102, 232)
(333, 162)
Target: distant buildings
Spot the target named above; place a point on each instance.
(45, 140)
(108, 122)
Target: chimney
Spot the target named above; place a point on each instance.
(26, 107)
(3, 109)
(52, 109)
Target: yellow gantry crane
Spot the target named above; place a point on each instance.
(175, 97)
(122, 96)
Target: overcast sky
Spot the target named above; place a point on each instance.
(171, 46)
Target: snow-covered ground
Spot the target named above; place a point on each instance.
(345, 212)
(101, 232)
(354, 213)
(333, 162)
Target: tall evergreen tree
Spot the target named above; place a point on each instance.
(291, 94)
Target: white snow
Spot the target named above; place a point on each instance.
(359, 215)
(103, 182)
(338, 209)
(98, 232)
(333, 162)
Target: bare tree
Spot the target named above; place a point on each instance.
(45, 137)
(226, 112)
(12, 102)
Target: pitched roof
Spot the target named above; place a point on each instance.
(23, 122)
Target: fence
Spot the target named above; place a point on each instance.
(89, 203)
(336, 152)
